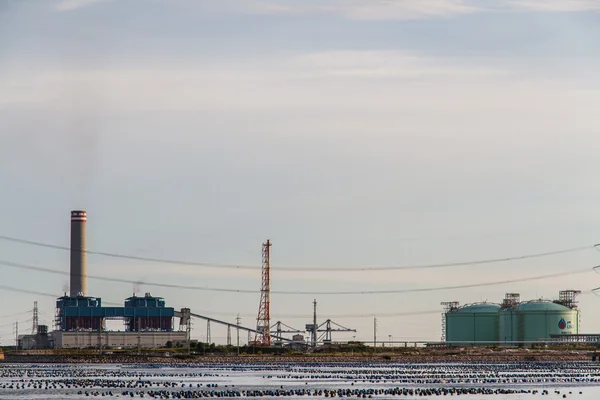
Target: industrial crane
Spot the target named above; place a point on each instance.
(277, 330)
(326, 333)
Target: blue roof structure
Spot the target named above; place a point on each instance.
(149, 310)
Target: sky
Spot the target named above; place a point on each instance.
(351, 133)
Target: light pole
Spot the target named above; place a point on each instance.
(390, 336)
(237, 320)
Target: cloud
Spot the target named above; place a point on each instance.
(415, 9)
(316, 79)
(263, 7)
(369, 10)
(385, 64)
(554, 5)
(70, 5)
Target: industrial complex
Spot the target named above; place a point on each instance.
(80, 319)
(512, 322)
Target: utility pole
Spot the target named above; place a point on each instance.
(186, 320)
(228, 335)
(189, 335)
(314, 330)
(99, 338)
(208, 339)
(17, 335)
(374, 334)
(139, 337)
(237, 321)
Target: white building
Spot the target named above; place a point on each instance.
(108, 339)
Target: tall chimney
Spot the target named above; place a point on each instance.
(78, 254)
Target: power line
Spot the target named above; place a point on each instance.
(475, 262)
(291, 292)
(308, 316)
(13, 289)
(305, 269)
(291, 316)
(27, 291)
(464, 286)
(15, 315)
(119, 280)
(12, 324)
(364, 315)
(127, 256)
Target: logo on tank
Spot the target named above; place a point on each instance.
(562, 324)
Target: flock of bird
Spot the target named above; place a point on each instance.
(334, 380)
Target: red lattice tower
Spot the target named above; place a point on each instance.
(263, 321)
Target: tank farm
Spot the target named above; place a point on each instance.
(512, 322)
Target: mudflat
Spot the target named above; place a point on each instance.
(487, 355)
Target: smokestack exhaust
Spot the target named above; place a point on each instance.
(78, 254)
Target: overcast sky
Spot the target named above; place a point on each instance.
(352, 133)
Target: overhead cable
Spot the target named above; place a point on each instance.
(293, 292)
(309, 316)
(127, 256)
(28, 291)
(12, 289)
(291, 316)
(306, 269)
(15, 314)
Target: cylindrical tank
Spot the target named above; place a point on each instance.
(506, 324)
(535, 320)
(473, 324)
(78, 286)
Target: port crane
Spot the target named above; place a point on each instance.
(279, 328)
(328, 327)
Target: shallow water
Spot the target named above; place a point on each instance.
(579, 380)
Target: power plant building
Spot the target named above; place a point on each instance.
(511, 323)
(80, 319)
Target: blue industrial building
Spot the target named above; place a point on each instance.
(83, 313)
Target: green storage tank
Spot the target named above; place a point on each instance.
(538, 319)
(473, 324)
(506, 324)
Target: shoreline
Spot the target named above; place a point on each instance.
(456, 356)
